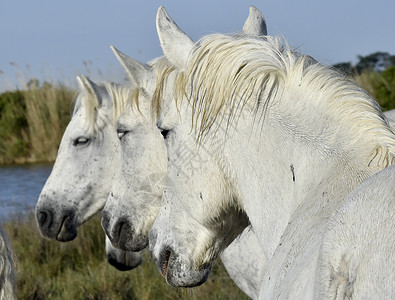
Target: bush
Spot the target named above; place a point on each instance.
(380, 85)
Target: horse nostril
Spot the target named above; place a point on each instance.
(126, 237)
(105, 221)
(42, 217)
(123, 234)
(164, 257)
(166, 264)
(164, 133)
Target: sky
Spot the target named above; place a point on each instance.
(57, 40)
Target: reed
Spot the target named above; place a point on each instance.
(32, 123)
(79, 270)
(47, 114)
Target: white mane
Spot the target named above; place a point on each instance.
(163, 69)
(120, 96)
(226, 74)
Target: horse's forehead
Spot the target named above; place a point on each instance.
(129, 118)
(77, 124)
(79, 117)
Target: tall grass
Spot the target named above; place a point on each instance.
(78, 270)
(13, 126)
(32, 123)
(47, 114)
(380, 85)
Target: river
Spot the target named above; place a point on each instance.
(20, 186)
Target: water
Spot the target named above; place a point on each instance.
(20, 186)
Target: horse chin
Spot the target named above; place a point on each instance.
(179, 274)
(191, 278)
(131, 260)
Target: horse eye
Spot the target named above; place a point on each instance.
(164, 133)
(121, 133)
(81, 141)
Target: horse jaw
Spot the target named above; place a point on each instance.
(184, 248)
(175, 264)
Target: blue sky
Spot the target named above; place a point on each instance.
(56, 40)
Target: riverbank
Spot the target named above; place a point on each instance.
(79, 270)
(20, 187)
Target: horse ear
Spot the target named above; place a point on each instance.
(92, 88)
(255, 23)
(176, 45)
(135, 70)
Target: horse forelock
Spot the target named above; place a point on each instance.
(227, 74)
(163, 68)
(119, 95)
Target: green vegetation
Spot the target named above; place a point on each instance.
(79, 270)
(13, 120)
(376, 74)
(380, 85)
(32, 123)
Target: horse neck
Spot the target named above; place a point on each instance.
(280, 174)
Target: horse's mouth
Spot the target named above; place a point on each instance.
(67, 229)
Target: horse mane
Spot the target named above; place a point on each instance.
(7, 269)
(163, 68)
(225, 74)
(120, 96)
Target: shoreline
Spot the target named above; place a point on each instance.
(24, 161)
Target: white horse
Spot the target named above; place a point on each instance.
(7, 269)
(281, 138)
(58, 206)
(135, 199)
(81, 177)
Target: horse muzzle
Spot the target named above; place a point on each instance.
(54, 226)
(122, 234)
